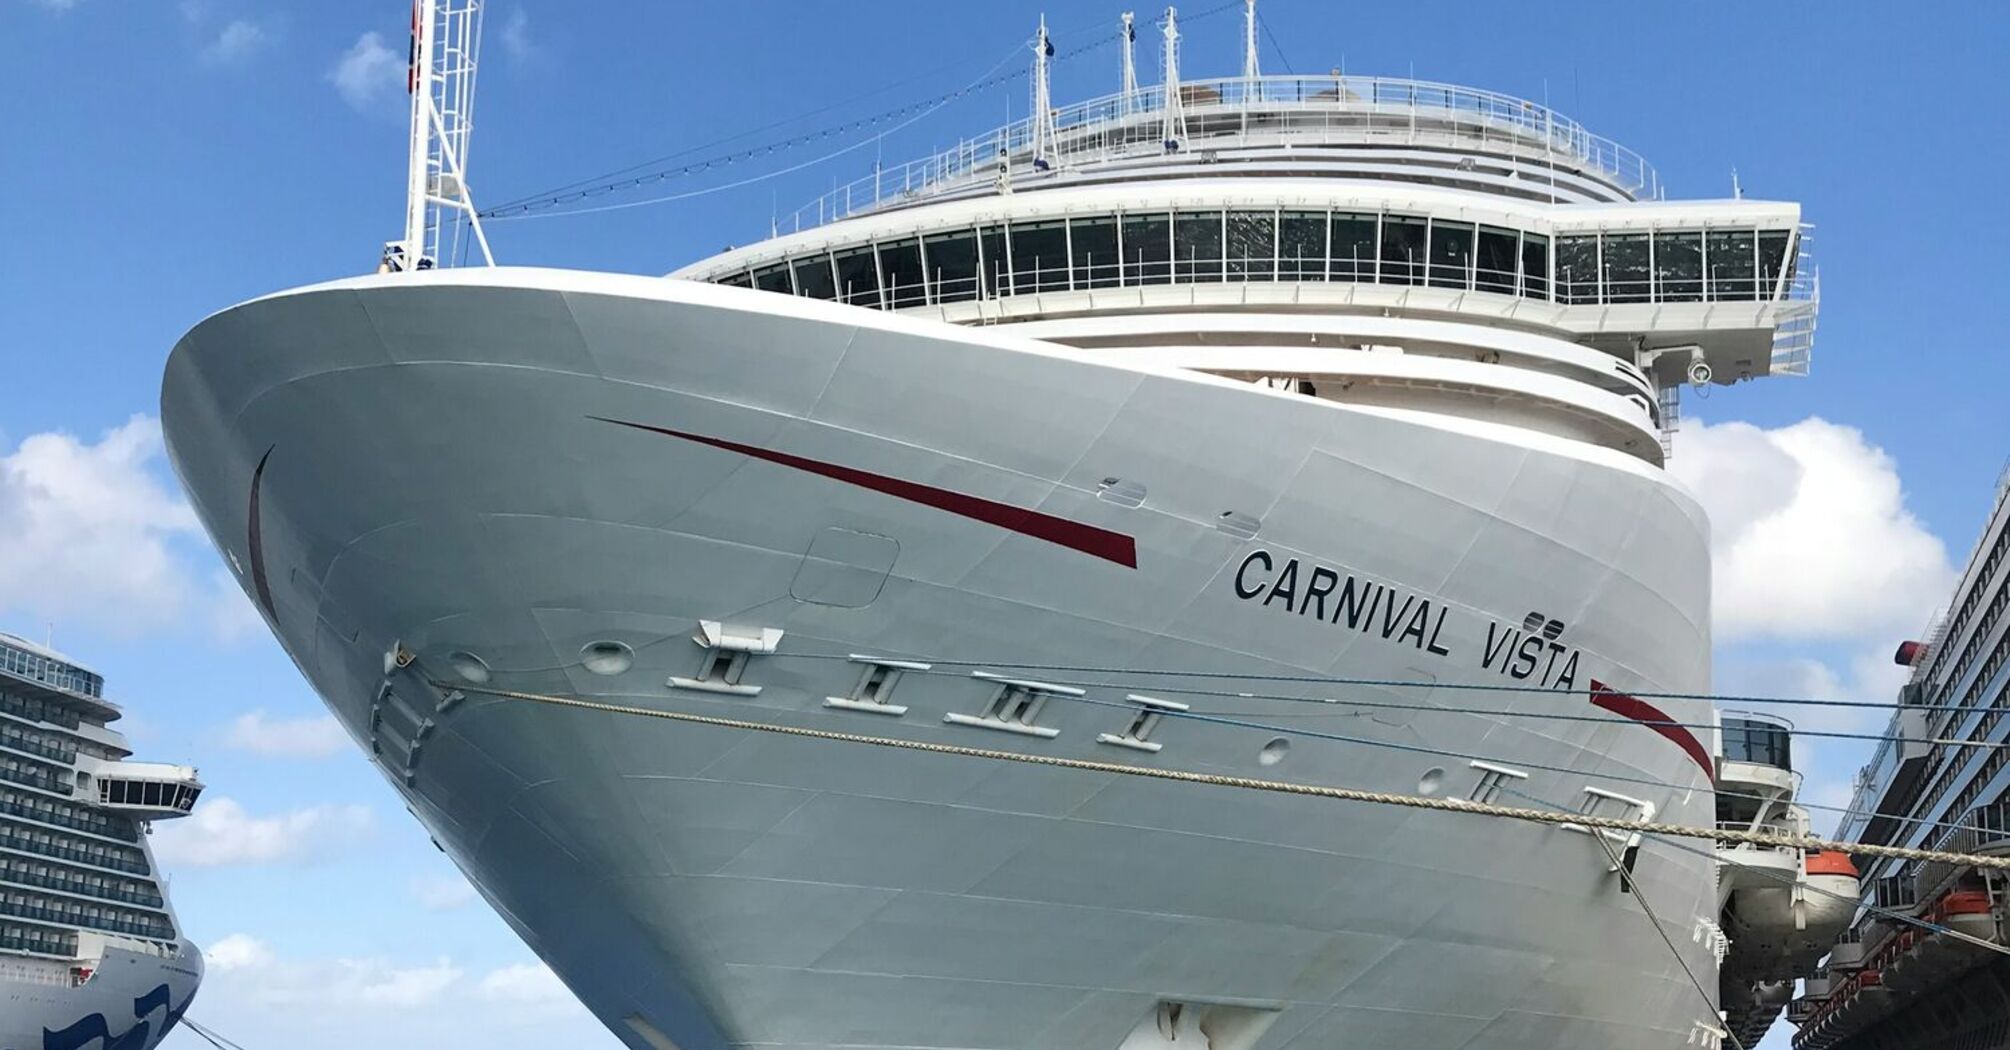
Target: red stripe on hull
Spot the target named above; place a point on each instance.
(1097, 542)
(1641, 711)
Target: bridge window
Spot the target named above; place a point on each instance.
(1494, 260)
(737, 280)
(813, 277)
(1040, 256)
(1252, 245)
(1678, 267)
(1535, 265)
(1147, 249)
(1093, 245)
(1197, 246)
(1627, 273)
(857, 277)
(1451, 253)
(1577, 269)
(1354, 248)
(952, 266)
(1301, 246)
(1730, 264)
(1403, 240)
(1763, 742)
(993, 260)
(900, 265)
(774, 279)
(1772, 261)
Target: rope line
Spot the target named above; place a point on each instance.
(1448, 805)
(1626, 876)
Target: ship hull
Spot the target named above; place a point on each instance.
(131, 1002)
(515, 465)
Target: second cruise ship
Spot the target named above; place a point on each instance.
(777, 644)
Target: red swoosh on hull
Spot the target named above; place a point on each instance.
(1097, 542)
(1654, 718)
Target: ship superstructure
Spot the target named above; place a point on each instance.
(90, 951)
(776, 644)
(1922, 965)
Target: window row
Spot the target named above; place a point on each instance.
(35, 742)
(35, 709)
(21, 937)
(1240, 245)
(31, 773)
(120, 792)
(78, 881)
(65, 815)
(72, 848)
(1986, 584)
(40, 668)
(41, 907)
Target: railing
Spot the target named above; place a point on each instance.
(82, 888)
(21, 910)
(60, 943)
(104, 828)
(1297, 109)
(12, 840)
(32, 746)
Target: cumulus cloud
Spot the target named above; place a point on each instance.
(313, 736)
(328, 984)
(367, 71)
(238, 951)
(516, 35)
(443, 893)
(526, 983)
(236, 40)
(1812, 537)
(221, 832)
(94, 534)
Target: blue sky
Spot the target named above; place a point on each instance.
(167, 159)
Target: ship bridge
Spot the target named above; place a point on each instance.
(1389, 242)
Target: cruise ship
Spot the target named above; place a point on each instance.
(91, 956)
(870, 636)
(1922, 965)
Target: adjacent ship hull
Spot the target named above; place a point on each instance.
(444, 486)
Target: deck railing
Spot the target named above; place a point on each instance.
(1235, 111)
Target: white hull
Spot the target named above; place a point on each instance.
(131, 1002)
(446, 467)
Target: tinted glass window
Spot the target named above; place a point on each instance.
(738, 280)
(900, 268)
(1729, 266)
(1494, 266)
(1772, 259)
(813, 277)
(1040, 256)
(1147, 249)
(1197, 246)
(1301, 246)
(773, 279)
(857, 276)
(1627, 279)
(1252, 241)
(1402, 250)
(1749, 740)
(952, 266)
(1678, 267)
(1451, 253)
(1577, 268)
(1093, 243)
(1354, 247)
(997, 274)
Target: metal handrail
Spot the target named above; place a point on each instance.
(1127, 125)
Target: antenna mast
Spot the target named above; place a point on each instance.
(1043, 106)
(1173, 131)
(1249, 71)
(446, 42)
(1128, 37)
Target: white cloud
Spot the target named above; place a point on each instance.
(220, 832)
(94, 534)
(516, 35)
(314, 736)
(368, 71)
(526, 983)
(443, 893)
(236, 40)
(1812, 537)
(237, 952)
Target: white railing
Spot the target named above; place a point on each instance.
(1298, 109)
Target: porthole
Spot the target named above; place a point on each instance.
(1274, 752)
(1431, 781)
(469, 666)
(606, 657)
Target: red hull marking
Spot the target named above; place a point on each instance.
(1100, 543)
(254, 540)
(1656, 719)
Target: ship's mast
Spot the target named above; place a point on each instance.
(1173, 130)
(1249, 70)
(1128, 37)
(1043, 105)
(446, 41)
